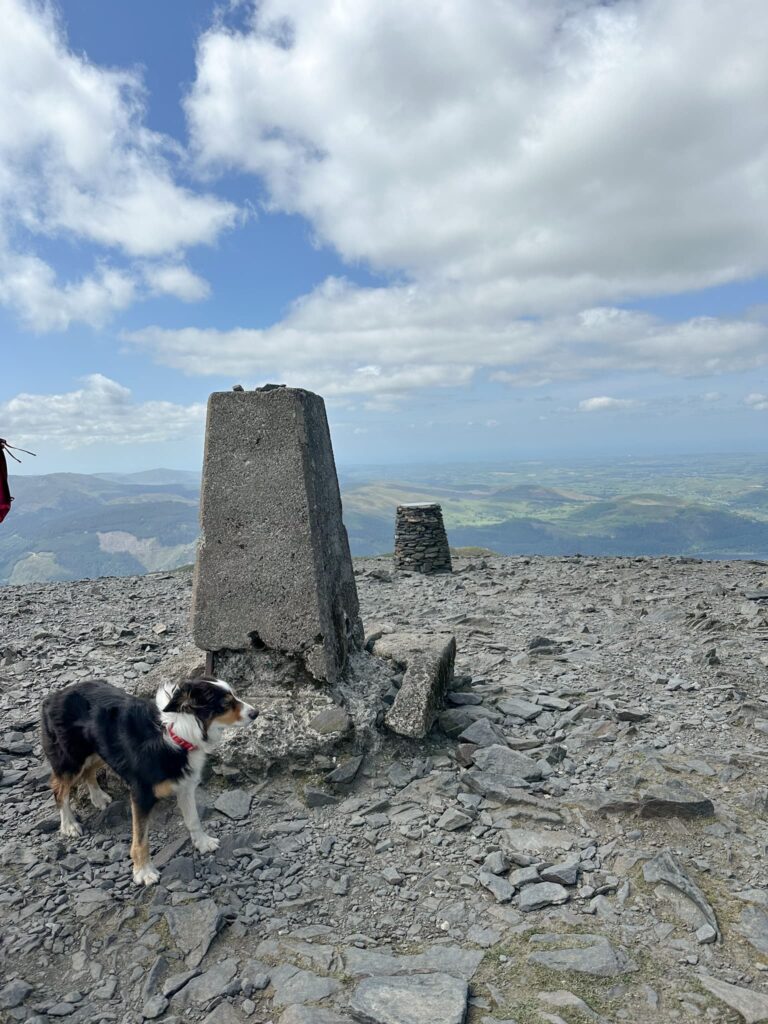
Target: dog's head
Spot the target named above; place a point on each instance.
(211, 702)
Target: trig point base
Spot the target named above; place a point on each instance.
(273, 568)
(421, 544)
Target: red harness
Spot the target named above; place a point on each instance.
(184, 744)
(5, 491)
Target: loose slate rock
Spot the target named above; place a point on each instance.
(194, 927)
(753, 925)
(207, 986)
(346, 771)
(420, 999)
(454, 960)
(293, 985)
(507, 764)
(519, 708)
(482, 733)
(664, 868)
(675, 799)
(542, 894)
(311, 1015)
(235, 803)
(14, 993)
(589, 954)
(753, 1006)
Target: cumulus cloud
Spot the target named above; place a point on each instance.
(101, 410)
(522, 170)
(605, 404)
(177, 280)
(345, 340)
(757, 401)
(78, 162)
(577, 146)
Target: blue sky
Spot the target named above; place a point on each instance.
(480, 231)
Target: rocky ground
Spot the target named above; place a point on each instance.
(583, 836)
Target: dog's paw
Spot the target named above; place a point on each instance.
(148, 875)
(205, 844)
(72, 828)
(100, 799)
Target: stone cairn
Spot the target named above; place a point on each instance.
(421, 544)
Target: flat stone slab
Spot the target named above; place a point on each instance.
(235, 803)
(753, 925)
(419, 999)
(583, 954)
(753, 1006)
(194, 927)
(664, 868)
(453, 960)
(273, 565)
(508, 765)
(542, 894)
(428, 660)
(293, 985)
(675, 799)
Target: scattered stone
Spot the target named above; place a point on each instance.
(587, 954)
(753, 925)
(753, 1006)
(206, 986)
(519, 708)
(452, 819)
(155, 1006)
(664, 868)
(419, 999)
(193, 928)
(293, 985)
(14, 993)
(235, 803)
(542, 894)
(346, 771)
(428, 662)
(675, 799)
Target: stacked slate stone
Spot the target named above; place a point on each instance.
(421, 544)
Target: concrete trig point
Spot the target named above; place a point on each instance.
(273, 568)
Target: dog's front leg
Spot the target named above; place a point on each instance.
(185, 796)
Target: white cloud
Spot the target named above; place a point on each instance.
(177, 280)
(342, 339)
(29, 286)
(757, 401)
(523, 167)
(100, 411)
(605, 404)
(78, 162)
(576, 148)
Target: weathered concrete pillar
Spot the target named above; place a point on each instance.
(273, 568)
(421, 544)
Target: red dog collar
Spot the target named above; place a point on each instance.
(184, 744)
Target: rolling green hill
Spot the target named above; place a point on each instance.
(68, 526)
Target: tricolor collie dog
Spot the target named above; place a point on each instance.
(157, 749)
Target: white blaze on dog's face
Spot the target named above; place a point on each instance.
(235, 711)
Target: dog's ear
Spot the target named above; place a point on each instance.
(182, 701)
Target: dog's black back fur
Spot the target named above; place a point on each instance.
(125, 731)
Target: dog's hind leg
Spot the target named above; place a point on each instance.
(62, 789)
(144, 871)
(89, 776)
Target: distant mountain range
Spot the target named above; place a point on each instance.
(67, 526)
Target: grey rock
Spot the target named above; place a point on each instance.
(583, 954)
(706, 934)
(346, 771)
(507, 764)
(175, 982)
(452, 819)
(753, 925)
(311, 1015)
(524, 876)
(428, 661)
(293, 985)
(675, 799)
(317, 798)
(496, 863)
(206, 986)
(14, 993)
(194, 927)
(234, 803)
(273, 562)
(664, 868)
(155, 1006)
(61, 1009)
(753, 1006)
(331, 720)
(482, 733)
(420, 999)
(541, 894)
(224, 1013)
(566, 872)
(519, 708)
(499, 887)
(454, 960)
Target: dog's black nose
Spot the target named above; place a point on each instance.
(253, 713)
